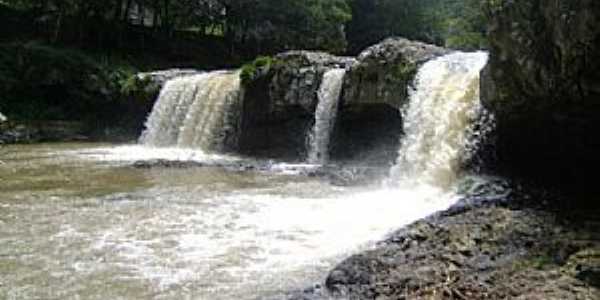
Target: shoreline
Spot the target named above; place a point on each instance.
(481, 248)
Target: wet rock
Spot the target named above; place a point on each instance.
(384, 72)
(542, 84)
(163, 163)
(157, 79)
(280, 102)
(297, 77)
(375, 87)
(489, 251)
(43, 131)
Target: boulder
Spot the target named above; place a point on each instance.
(375, 88)
(543, 85)
(41, 131)
(157, 79)
(297, 78)
(279, 102)
(384, 72)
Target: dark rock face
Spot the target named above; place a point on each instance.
(46, 131)
(372, 133)
(280, 103)
(486, 252)
(491, 245)
(385, 70)
(543, 85)
(158, 78)
(375, 88)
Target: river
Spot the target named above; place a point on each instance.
(79, 221)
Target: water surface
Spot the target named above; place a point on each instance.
(78, 221)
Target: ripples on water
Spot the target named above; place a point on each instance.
(79, 221)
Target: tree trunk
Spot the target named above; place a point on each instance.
(141, 13)
(118, 10)
(57, 28)
(127, 10)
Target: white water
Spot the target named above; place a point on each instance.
(81, 223)
(194, 112)
(325, 115)
(439, 120)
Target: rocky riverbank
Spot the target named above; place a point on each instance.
(46, 131)
(515, 246)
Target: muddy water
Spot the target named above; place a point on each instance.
(77, 221)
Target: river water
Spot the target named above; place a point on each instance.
(79, 221)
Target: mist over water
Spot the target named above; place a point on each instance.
(438, 120)
(80, 221)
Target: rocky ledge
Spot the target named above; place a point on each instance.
(480, 249)
(46, 131)
(543, 85)
(334, 174)
(281, 97)
(384, 72)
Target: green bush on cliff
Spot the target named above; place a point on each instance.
(252, 70)
(404, 71)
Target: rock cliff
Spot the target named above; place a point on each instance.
(543, 85)
(280, 100)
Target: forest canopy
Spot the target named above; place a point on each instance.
(252, 27)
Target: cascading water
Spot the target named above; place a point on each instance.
(325, 114)
(439, 120)
(209, 233)
(194, 112)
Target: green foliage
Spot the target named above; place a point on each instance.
(132, 84)
(252, 70)
(404, 72)
(451, 23)
(42, 82)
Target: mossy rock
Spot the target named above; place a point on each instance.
(252, 70)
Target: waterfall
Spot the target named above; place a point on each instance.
(325, 114)
(439, 120)
(195, 112)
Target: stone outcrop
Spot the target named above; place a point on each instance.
(280, 102)
(385, 70)
(375, 88)
(543, 85)
(499, 242)
(156, 79)
(41, 131)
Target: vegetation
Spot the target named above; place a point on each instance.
(75, 59)
(251, 70)
(451, 23)
(246, 28)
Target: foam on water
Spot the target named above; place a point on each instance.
(206, 233)
(141, 153)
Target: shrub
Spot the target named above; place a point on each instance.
(252, 70)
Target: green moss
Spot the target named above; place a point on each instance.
(252, 70)
(404, 71)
